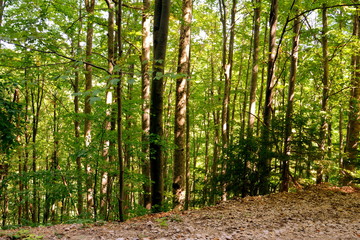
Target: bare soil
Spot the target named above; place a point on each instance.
(316, 213)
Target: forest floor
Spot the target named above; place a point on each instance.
(316, 213)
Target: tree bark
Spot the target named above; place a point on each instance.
(36, 103)
(264, 165)
(145, 95)
(121, 197)
(160, 32)
(290, 106)
(2, 7)
(353, 128)
(255, 68)
(89, 5)
(106, 153)
(75, 85)
(180, 109)
(228, 74)
(325, 96)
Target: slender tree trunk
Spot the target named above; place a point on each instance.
(227, 65)
(160, 32)
(206, 167)
(121, 197)
(290, 105)
(234, 103)
(264, 165)
(2, 7)
(50, 200)
(26, 147)
(260, 109)
(187, 151)
(145, 95)
(36, 102)
(353, 128)
(228, 75)
(255, 67)
(16, 100)
(4, 170)
(216, 144)
(245, 99)
(341, 138)
(109, 101)
(180, 109)
(325, 96)
(76, 83)
(89, 5)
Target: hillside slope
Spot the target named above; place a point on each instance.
(317, 213)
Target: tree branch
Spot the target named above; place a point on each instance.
(322, 7)
(63, 56)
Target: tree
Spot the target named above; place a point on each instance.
(183, 70)
(89, 6)
(325, 95)
(108, 144)
(353, 128)
(265, 157)
(290, 106)
(2, 7)
(145, 95)
(121, 197)
(255, 67)
(160, 32)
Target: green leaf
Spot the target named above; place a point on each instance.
(94, 99)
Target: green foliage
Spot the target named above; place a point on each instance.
(240, 176)
(10, 114)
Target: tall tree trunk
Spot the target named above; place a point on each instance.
(160, 32)
(255, 67)
(290, 105)
(325, 96)
(26, 147)
(89, 5)
(2, 7)
(75, 85)
(180, 109)
(245, 99)
(145, 95)
(353, 128)
(228, 74)
(260, 109)
(36, 102)
(227, 65)
(49, 195)
(104, 204)
(264, 164)
(121, 197)
(216, 117)
(16, 99)
(187, 148)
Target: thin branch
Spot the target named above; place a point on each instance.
(327, 7)
(131, 44)
(132, 7)
(37, 66)
(63, 56)
(341, 90)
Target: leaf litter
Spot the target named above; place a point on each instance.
(319, 212)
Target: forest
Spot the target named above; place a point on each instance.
(112, 109)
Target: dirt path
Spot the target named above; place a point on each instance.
(317, 213)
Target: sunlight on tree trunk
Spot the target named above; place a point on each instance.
(145, 95)
(290, 106)
(264, 164)
(179, 178)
